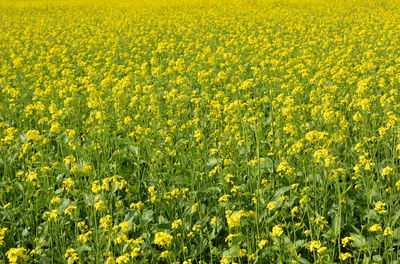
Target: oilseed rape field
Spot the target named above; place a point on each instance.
(199, 131)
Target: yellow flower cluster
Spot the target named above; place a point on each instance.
(71, 255)
(16, 255)
(163, 239)
(192, 131)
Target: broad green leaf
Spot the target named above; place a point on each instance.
(234, 252)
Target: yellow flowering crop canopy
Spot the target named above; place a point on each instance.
(199, 131)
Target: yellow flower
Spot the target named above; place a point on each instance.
(84, 237)
(251, 257)
(282, 198)
(71, 255)
(106, 222)
(82, 225)
(35, 251)
(314, 245)
(271, 205)
(380, 207)
(347, 240)
(344, 256)
(321, 221)
(123, 259)
(321, 250)
(109, 260)
(137, 205)
(32, 176)
(135, 252)
(118, 203)
(70, 209)
(100, 206)
(398, 185)
(69, 160)
(194, 208)
(137, 241)
(53, 215)
(10, 135)
(124, 226)
(225, 260)
(284, 168)
(33, 135)
(227, 162)
(15, 255)
(67, 184)
(228, 178)
(196, 228)
(86, 168)
(388, 231)
(55, 128)
(224, 198)
(177, 223)
(163, 239)
(294, 211)
(277, 231)
(213, 220)
(375, 228)
(262, 243)
(357, 117)
(55, 200)
(387, 171)
(164, 254)
(3, 232)
(233, 219)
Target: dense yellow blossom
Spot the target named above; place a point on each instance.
(375, 228)
(380, 207)
(345, 256)
(162, 239)
(71, 255)
(388, 231)
(16, 255)
(347, 240)
(194, 130)
(277, 231)
(314, 245)
(271, 205)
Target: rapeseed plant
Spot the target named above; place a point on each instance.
(199, 131)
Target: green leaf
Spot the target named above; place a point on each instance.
(396, 234)
(336, 225)
(64, 205)
(148, 216)
(303, 261)
(371, 215)
(299, 243)
(162, 220)
(214, 251)
(182, 180)
(25, 232)
(281, 191)
(359, 240)
(234, 252)
(84, 248)
(268, 164)
(212, 162)
(19, 186)
(395, 218)
(214, 190)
